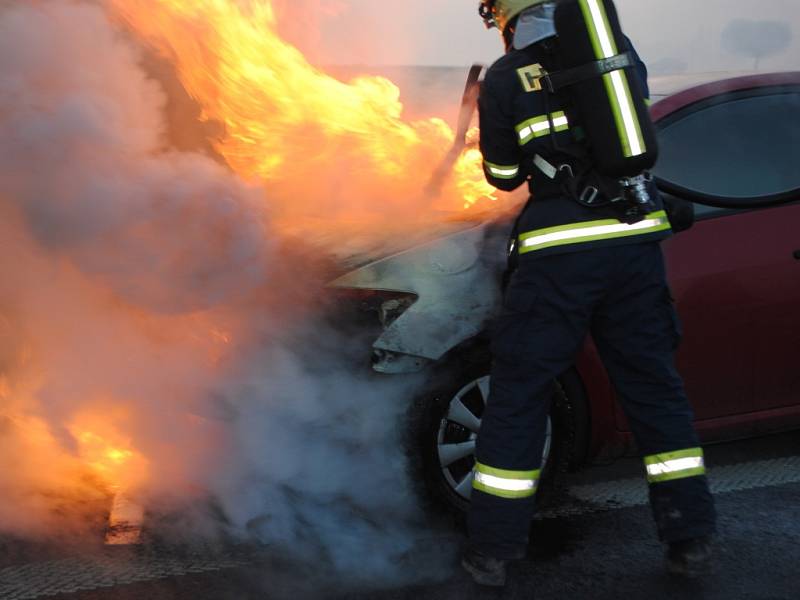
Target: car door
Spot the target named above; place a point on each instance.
(737, 288)
(736, 274)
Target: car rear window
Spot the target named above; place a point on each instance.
(740, 144)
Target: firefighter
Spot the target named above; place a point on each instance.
(588, 260)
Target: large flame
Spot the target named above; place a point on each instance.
(332, 158)
(340, 151)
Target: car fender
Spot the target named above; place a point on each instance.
(457, 283)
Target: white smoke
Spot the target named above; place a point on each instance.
(144, 283)
(84, 156)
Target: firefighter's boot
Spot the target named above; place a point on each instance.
(690, 558)
(485, 570)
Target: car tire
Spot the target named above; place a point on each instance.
(440, 433)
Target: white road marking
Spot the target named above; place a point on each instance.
(125, 521)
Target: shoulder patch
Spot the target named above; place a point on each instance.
(530, 77)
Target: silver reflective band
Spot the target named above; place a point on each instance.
(543, 127)
(502, 171)
(675, 465)
(617, 81)
(594, 231)
(627, 114)
(508, 485)
(602, 32)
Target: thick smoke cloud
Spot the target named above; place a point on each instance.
(145, 301)
(84, 157)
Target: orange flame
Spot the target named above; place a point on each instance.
(108, 452)
(342, 150)
(469, 173)
(328, 153)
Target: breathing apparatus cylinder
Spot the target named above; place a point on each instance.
(611, 108)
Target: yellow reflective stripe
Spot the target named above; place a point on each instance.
(590, 231)
(505, 483)
(616, 82)
(506, 473)
(680, 464)
(540, 126)
(502, 171)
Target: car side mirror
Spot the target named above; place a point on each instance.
(680, 212)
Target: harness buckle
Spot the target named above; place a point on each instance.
(589, 195)
(566, 168)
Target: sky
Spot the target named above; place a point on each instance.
(674, 36)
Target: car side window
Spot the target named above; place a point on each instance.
(736, 145)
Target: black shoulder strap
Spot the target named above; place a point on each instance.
(561, 79)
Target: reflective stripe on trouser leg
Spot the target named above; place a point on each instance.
(505, 483)
(668, 466)
(636, 331)
(534, 340)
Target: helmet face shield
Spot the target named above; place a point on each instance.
(535, 24)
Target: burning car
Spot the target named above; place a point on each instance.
(729, 156)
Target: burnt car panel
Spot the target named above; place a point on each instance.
(457, 285)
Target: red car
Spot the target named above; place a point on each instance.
(734, 272)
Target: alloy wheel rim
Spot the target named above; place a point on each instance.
(458, 432)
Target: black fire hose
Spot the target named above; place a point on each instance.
(674, 189)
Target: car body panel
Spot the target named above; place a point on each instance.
(458, 288)
(761, 298)
(681, 96)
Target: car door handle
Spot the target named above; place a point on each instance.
(796, 254)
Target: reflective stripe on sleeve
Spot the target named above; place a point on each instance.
(540, 126)
(680, 464)
(505, 483)
(502, 171)
(590, 231)
(616, 82)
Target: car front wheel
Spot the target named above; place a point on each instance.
(445, 424)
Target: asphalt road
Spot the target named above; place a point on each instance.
(601, 545)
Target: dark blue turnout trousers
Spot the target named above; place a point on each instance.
(620, 295)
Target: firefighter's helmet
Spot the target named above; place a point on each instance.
(499, 13)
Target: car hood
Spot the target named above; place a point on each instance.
(382, 249)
